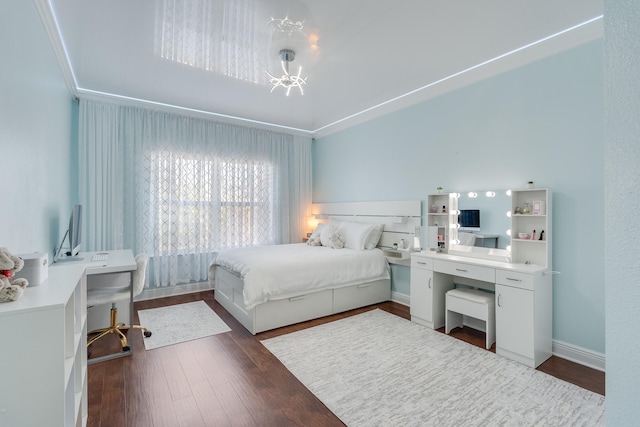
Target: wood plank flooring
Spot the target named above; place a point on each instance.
(230, 379)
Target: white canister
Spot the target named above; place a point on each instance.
(36, 268)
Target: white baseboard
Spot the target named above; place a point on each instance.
(172, 291)
(583, 356)
(400, 298)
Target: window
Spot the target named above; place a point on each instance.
(199, 204)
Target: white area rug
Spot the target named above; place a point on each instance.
(179, 323)
(377, 369)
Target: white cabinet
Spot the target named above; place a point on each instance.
(524, 317)
(427, 293)
(514, 319)
(44, 354)
(439, 207)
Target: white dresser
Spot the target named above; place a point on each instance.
(44, 356)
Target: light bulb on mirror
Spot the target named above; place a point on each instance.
(509, 232)
(509, 193)
(509, 214)
(509, 248)
(490, 194)
(472, 194)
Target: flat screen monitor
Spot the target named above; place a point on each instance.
(74, 232)
(469, 219)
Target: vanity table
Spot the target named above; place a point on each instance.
(520, 275)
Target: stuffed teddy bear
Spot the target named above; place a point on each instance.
(314, 241)
(9, 265)
(336, 241)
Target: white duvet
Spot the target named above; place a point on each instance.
(272, 272)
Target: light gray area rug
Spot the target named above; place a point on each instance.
(179, 323)
(377, 369)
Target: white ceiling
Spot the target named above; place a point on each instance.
(211, 55)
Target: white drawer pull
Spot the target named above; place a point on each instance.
(429, 282)
(514, 280)
(301, 297)
(499, 301)
(461, 269)
(421, 263)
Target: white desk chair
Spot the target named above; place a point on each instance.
(109, 294)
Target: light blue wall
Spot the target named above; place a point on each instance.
(622, 197)
(35, 135)
(543, 121)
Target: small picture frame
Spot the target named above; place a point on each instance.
(537, 207)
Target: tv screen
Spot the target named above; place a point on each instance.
(469, 219)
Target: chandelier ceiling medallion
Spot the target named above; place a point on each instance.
(288, 80)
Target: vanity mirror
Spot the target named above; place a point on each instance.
(483, 219)
(482, 224)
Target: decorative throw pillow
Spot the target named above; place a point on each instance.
(374, 236)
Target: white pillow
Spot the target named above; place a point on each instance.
(355, 234)
(374, 236)
(317, 231)
(325, 233)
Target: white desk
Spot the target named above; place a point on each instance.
(523, 299)
(120, 261)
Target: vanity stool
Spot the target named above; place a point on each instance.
(472, 303)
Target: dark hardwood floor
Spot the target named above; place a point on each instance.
(230, 379)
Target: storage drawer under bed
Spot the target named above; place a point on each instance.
(356, 296)
(276, 313)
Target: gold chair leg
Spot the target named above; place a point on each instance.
(118, 329)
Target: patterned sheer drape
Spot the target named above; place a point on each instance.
(187, 187)
(224, 36)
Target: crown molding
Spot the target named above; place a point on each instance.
(48, 18)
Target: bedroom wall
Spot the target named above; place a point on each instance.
(543, 121)
(38, 168)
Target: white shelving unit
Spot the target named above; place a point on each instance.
(44, 352)
(533, 251)
(439, 207)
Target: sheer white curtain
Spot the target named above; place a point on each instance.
(181, 188)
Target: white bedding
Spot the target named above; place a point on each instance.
(271, 272)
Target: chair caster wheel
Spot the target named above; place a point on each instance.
(147, 334)
(126, 348)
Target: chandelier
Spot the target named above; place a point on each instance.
(288, 80)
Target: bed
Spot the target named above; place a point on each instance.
(267, 287)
